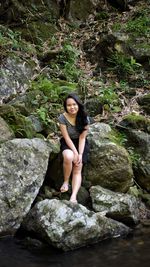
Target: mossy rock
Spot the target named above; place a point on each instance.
(38, 32)
(54, 90)
(136, 122)
(21, 126)
(144, 102)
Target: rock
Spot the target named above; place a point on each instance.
(15, 75)
(80, 10)
(139, 144)
(20, 125)
(5, 132)
(93, 107)
(68, 226)
(134, 121)
(109, 164)
(121, 207)
(144, 102)
(37, 124)
(22, 170)
(142, 173)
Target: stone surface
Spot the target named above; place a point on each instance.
(23, 164)
(15, 74)
(68, 226)
(109, 164)
(118, 206)
(5, 132)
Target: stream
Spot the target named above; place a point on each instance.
(133, 250)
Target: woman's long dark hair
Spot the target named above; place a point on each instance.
(81, 119)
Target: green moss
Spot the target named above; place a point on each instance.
(117, 137)
(136, 121)
(21, 126)
(54, 91)
(38, 32)
(10, 41)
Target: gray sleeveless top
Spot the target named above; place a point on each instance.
(72, 131)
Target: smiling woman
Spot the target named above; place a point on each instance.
(74, 146)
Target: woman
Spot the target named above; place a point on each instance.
(74, 146)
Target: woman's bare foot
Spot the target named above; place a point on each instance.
(73, 200)
(65, 187)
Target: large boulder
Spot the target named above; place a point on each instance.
(118, 206)
(19, 10)
(144, 102)
(14, 78)
(68, 226)
(5, 132)
(22, 171)
(109, 165)
(139, 145)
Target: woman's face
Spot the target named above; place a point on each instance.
(72, 106)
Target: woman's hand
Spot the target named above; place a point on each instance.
(76, 158)
(79, 160)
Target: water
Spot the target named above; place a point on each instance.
(125, 252)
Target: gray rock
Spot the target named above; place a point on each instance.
(140, 145)
(23, 164)
(69, 226)
(15, 74)
(122, 207)
(109, 165)
(5, 132)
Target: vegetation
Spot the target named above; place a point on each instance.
(11, 41)
(54, 91)
(123, 65)
(67, 63)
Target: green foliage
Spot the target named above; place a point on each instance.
(134, 156)
(54, 91)
(118, 138)
(102, 15)
(20, 125)
(67, 63)
(123, 65)
(12, 40)
(109, 98)
(139, 25)
(43, 115)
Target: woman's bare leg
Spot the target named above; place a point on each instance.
(67, 168)
(76, 181)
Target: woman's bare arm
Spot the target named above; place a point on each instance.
(67, 138)
(82, 139)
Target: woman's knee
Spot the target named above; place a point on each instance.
(68, 155)
(77, 168)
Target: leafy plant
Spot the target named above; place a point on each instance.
(134, 156)
(67, 62)
(118, 138)
(140, 25)
(43, 115)
(13, 40)
(54, 91)
(123, 65)
(109, 98)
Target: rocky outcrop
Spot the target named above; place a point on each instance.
(15, 75)
(121, 207)
(69, 226)
(109, 164)
(22, 171)
(144, 102)
(5, 132)
(142, 166)
(139, 146)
